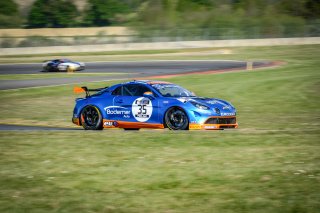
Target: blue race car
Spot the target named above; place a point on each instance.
(150, 104)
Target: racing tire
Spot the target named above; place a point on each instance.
(45, 69)
(176, 119)
(91, 118)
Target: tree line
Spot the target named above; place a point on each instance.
(238, 16)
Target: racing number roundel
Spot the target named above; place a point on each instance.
(142, 109)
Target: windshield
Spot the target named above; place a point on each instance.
(172, 90)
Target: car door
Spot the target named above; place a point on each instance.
(136, 107)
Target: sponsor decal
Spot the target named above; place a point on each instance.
(209, 127)
(117, 110)
(228, 113)
(219, 102)
(115, 123)
(211, 102)
(108, 123)
(142, 109)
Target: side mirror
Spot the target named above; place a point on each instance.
(149, 95)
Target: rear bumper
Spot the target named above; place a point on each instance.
(76, 121)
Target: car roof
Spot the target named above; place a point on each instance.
(142, 82)
(61, 59)
(149, 82)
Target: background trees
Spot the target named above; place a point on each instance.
(104, 12)
(52, 13)
(218, 18)
(9, 16)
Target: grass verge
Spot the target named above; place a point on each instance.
(160, 171)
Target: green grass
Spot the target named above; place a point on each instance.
(160, 171)
(270, 164)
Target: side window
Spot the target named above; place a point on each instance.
(135, 90)
(142, 90)
(117, 91)
(128, 90)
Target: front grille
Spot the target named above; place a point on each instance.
(221, 121)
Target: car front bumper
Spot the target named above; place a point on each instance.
(216, 122)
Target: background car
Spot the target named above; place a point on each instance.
(62, 65)
(151, 104)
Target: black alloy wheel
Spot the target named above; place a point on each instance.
(176, 119)
(91, 118)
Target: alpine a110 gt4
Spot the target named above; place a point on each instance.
(150, 104)
(62, 65)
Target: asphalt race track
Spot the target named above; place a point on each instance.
(129, 70)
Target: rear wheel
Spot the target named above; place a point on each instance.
(46, 69)
(176, 119)
(91, 118)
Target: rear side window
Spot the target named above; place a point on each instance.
(135, 90)
(131, 90)
(117, 91)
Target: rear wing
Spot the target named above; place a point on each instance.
(86, 90)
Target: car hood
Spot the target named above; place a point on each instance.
(218, 106)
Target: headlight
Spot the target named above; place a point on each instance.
(199, 106)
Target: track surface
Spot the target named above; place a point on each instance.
(139, 69)
(132, 69)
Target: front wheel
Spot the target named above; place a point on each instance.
(91, 118)
(176, 119)
(70, 69)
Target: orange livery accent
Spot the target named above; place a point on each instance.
(130, 125)
(158, 82)
(76, 121)
(216, 122)
(78, 90)
(194, 126)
